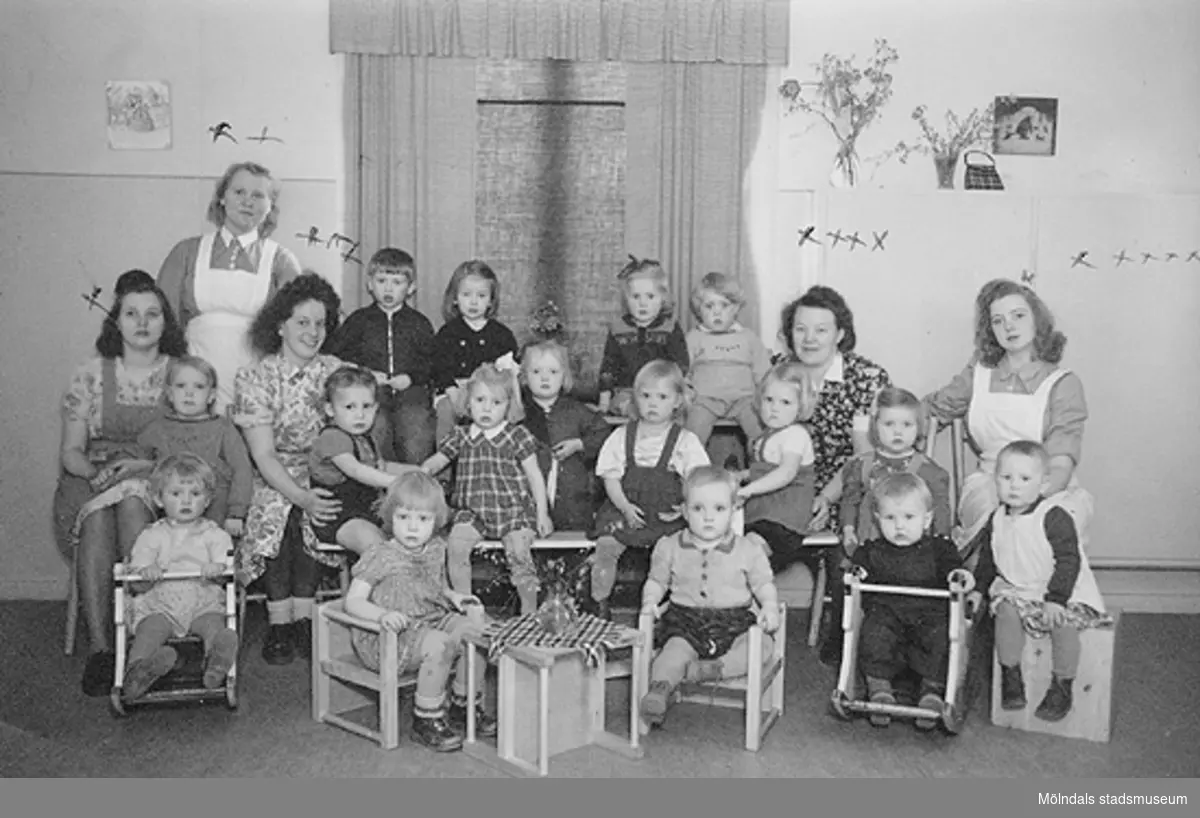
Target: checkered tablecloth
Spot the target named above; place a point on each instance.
(589, 635)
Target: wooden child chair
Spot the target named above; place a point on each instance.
(339, 678)
(762, 686)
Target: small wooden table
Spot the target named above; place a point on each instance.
(539, 686)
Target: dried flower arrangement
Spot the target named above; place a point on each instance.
(848, 98)
(546, 322)
(947, 145)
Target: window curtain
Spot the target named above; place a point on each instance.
(727, 31)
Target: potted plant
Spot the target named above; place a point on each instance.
(847, 98)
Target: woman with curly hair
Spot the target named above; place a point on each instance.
(278, 407)
(1014, 389)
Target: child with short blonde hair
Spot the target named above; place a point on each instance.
(727, 360)
(646, 332)
(642, 464)
(712, 575)
(401, 584)
(499, 491)
(184, 540)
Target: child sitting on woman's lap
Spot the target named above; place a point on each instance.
(901, 631)
(401, 584)
(711, 574)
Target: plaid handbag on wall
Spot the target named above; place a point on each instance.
(981, 176)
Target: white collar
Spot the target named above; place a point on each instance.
(244, 240)
(474, 432)
(836, 371)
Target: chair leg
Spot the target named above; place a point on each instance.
(72, 611)
(754, 691)
(817, 611)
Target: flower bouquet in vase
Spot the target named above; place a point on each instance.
(948, 144)
(559, 611)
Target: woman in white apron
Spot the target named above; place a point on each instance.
(1015, 390)
(217, 282)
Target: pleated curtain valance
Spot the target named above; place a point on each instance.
(742, 32)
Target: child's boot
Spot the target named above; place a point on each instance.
(277, 647)
(436, 732)
(655, 703)
(485, 725)
(302, 637)
(931, 699)
(1012, 688)
(220, 659)
(1057, 701)
(880, 692)
(143, 673)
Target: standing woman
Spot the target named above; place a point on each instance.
(818, 328)
(102, 501)
(219, 281)
(1014, 389)
(279, 409)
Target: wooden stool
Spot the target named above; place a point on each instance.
(1091, 713)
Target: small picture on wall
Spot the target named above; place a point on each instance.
(139, 115)
(1026, 125)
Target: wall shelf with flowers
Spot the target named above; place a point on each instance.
(847, 98)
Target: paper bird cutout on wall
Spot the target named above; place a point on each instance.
(1028, 278)
(1121, 258)
(806, 235)
(313, 236)
(1148, 257)
(1080, 259)
(222, 129)
(836, 236)
(879, 238)
(93, 299)
(262, 137)
(855, 241)
(1194, 255)
(1171, 256)
(340, 239)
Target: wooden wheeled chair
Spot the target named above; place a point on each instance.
(849, 697)
(184, 682)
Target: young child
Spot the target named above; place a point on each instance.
(401, 584)
(727, 359)
(395, 342)
(569, 432)
(470, 337)
(645, 333)
(905, 631)
(344, 461)
(1038, 577)
(779, 488)
(897, 432)
(642, 464)
(184, 540)
(499, 492)
(711, 574)
(191, 426)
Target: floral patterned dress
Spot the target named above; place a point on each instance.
(116, 405)
(277, 393)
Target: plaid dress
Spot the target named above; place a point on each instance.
(491, 491)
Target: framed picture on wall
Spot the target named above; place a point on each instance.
(1027, 126)
(139, 115)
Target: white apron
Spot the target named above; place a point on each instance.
(227, 301)
(1025, 561)
(994, 420)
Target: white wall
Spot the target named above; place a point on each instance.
(1126, 176)
(74, 212)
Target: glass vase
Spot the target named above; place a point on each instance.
(946, 167)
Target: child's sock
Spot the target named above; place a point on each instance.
(279, 611)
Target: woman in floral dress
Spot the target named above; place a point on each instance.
(278, 407)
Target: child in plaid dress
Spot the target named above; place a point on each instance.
(499, 491)
(401, 584)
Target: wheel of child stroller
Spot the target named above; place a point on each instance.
(837, 705)
(953, 718)
(115, 706)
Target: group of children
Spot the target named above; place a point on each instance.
(522, 457)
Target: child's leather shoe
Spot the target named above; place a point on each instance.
(436, 733)
(881, 697)
(277, 646)
(1057, 701)
(1012, 688)
(930, 700)
(143, 673)
(485, 725)
(302, 637)
(655, 702)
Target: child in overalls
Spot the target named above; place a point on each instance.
(642, 464)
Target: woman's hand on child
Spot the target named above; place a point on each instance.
(234, 527)
(393, 621)
(565, 448)
(212, 570)
(320, 505)
(820, 513)
(1056, 615)
(633, 516)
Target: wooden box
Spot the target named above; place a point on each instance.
(1091, 713)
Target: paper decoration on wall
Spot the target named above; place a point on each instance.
(835, 236)
(313, 236)
(806, 234)
(222, 129)
(1121, 258)
(1148, 257)
(93, 299)
(1080, 259)
(1028, 278)
(1194, 255)
(262, 137)
(855, 241)
(878, 239)
(139, 115)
